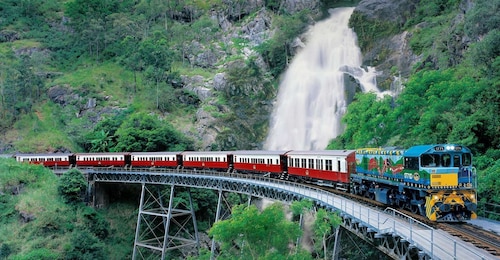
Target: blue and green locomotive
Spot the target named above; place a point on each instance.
(436, 181)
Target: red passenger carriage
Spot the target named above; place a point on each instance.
(260, 161)
(155, 159)
(47, 160)
(209, 159)
(329, 167)
(101, 159)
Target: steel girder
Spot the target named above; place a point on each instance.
(200, 179)
(393, 246)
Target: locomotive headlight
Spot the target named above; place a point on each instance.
(450, 147)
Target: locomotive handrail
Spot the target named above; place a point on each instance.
(415, 236)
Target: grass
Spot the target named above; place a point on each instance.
(37, 197)
(108, 81)
(51, 232)
(42, 130)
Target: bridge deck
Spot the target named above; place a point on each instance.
(435, 243)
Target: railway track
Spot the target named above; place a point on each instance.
(479, 237)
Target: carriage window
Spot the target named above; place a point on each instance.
(445, 160)
(329, 165)
(303, 161)
(466, 159)
(319, 164)
(411, 163)
(429, 160)
(311, 163)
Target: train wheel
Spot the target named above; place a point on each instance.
(414, 209)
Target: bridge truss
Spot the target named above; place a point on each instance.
(398, 239)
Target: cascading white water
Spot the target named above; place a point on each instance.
(311, 98)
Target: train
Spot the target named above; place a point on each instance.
(436, 181)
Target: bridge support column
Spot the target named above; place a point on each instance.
(162, 228)
(223, 212)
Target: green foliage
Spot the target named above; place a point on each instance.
(143, 132)
(246, 83)
(369, 121)
(19, 88)
(48, 227)
(485, 54)
(84, 245)
(482, 18)
(324, 225)
(298, 207)
(39, 254)
(103, 137)
(369, 31)
(72, 186)
(94, 222)
(428, 10)
(435, 107)
(250, 234)
(276, 51)
(488, 192)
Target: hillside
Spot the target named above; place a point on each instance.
(137, 75)
(70, 68)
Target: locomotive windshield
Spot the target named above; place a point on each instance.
(445, 160)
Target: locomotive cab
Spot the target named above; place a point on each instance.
(446, 173)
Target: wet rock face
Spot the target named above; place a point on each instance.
(294, 6)
(238, 9)
(389, 10)
(392, 52)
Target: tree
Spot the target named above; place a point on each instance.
(369, 121)
(144, 132)
(253, 234)
(100, 141)
(84, 245)
(323, 226)
(89, 20)
(157, 58)
(72, 186)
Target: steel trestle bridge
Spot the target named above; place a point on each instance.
(395, 234)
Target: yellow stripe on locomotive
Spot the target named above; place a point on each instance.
(443, 180)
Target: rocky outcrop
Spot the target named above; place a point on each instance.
(236, 10)
(294, 6)
(9, 36)
(389, 10)
(392, 57)
(257, 30)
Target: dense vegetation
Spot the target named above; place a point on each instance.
(43, 217)
(119, 65)
(65, 66)
(451, 97)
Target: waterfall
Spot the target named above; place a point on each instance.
(311, 98)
